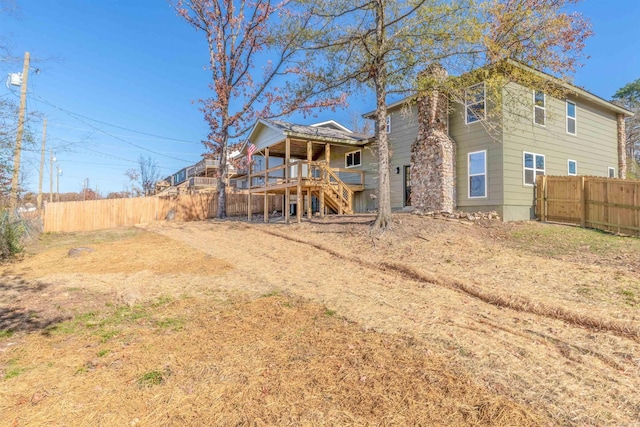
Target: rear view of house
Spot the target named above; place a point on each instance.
(496, 161)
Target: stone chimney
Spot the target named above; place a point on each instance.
(433, 176)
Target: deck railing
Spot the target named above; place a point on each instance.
(201, 181)
(204, 164)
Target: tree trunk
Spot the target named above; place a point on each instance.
(384, 218)
(223, 172)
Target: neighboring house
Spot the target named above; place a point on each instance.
(474, 161)
(197, 177)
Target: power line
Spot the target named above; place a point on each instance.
(71, 113)
(76, 116)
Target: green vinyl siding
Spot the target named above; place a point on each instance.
(469, 138)
(594, 147)
(404, 130)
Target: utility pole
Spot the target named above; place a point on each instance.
(18, 149)
(51, 160)
(58, 172)
(44, 138)
(84, 189)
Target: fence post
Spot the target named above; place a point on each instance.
(544, 198)
(583, 203)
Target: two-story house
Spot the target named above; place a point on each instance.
(490, 164)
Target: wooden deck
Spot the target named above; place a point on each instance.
(334, 188)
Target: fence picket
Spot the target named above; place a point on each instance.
(609, 204)
(110, 213)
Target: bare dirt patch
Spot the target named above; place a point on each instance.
(319, 323)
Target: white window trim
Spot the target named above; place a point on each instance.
(351, 152)
(609, 169)
(569, 168)
(484, 102)
(575, 119)
(543, 108)
(469, 175)
(388, 124)
(524, 168)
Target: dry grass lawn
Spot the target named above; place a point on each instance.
(230, 323)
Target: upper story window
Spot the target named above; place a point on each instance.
(572, 118)
(539, 108)
(477, 174)
(533, 165)
(572, 168)
(352, 159)
(388, 127)
(475, 103)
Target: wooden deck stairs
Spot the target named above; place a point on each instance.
(337, 195)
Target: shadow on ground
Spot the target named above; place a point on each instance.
(18, 299)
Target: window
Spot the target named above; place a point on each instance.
(571, 118)
(475, 103)
(539, 108)
(353, 159)
(478, 174)
(533, 166)
(572, 167)
(612, 172)
(388, 128)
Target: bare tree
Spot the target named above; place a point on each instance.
(143, 179)
(149, 174)
(239, 34)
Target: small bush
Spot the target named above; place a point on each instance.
(10, 236)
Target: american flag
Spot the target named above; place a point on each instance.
(250, 150)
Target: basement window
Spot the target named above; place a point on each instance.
(353, 159)
(533, 166)
(477, 174)
(475, 103)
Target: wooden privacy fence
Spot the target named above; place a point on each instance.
(110, 213)
(593, 202)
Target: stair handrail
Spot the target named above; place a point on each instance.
(345, 194)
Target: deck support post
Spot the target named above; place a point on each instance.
(266, 183)
(322, 203)
(287, 191)
(309, 158)
(287, 204)
(299, 200)
(249, 210)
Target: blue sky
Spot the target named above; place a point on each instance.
(136, 65)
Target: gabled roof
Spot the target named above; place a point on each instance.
(330, 131)
(331, 124)
(575, 90)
